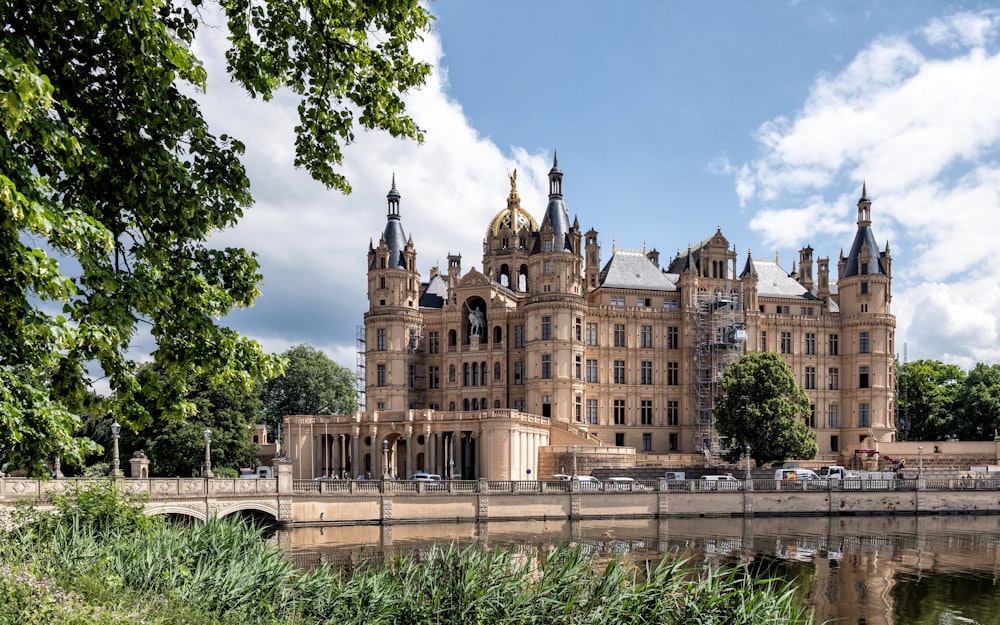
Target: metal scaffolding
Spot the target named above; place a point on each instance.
(721, 335)
(359, 381)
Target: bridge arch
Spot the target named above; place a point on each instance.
(167, 509)
(251, 506)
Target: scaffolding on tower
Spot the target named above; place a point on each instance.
(359, 376)
(721, 337)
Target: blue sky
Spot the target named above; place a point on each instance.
(671, 119)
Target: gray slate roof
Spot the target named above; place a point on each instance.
(435, 293)
(629, 269)
(773, 281)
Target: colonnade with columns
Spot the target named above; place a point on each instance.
(320, 449)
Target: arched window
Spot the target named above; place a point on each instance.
(451, 406)
(452, 338)
(486, 374)
(465, 404)
(451, 375)
(475, 404)
(496, 371)
(482, 402)
(496, 404)
(498, 335)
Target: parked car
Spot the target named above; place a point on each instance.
(423, 476)
(722, 482)
(673, 475)
(589, 482)
(622, 483)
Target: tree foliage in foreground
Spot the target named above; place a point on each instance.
(761, 405)
(111, 184)
(312, 384)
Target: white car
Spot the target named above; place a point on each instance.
(622, 483)
(721, 482)
(422, 476)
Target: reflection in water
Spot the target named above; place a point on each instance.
(857, 570)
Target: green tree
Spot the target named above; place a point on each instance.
(111, 185)
(761, 406)
(978, 404)
(927, 399)
(312, 384)
(177, 446)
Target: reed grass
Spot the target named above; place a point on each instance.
(223, 573)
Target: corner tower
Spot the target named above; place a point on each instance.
(864, 294)
(393, 328)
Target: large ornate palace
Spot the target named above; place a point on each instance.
(482, 374)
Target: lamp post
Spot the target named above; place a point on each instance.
(574, 460)
(116, 429)
(385, 458)
(920, 461)
(208, 453)
(747, 449)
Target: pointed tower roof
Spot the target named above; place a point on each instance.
(394, 236)
(556, 213)
(749, 269)
(864, 239)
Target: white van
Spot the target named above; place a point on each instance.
(795, 474)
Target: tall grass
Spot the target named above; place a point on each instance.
(223, 573)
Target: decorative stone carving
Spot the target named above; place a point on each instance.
(386, 509)
(285, 510)
(484, 507)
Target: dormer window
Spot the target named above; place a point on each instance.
(547, 245)
(864, 269)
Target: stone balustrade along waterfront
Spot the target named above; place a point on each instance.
(295, 502)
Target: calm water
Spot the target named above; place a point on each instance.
(854, 570)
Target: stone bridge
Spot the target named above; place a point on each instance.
(352, 502)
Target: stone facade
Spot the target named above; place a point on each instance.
(473, 374)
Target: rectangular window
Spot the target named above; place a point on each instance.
(519, 372)
(619, 439)
(672, 438)
(579, 367)
(646, 412)
(862, 415)
(864, 288)
(863, 345)
(786, 342)
(519, 405)
(673, 338)
(673, 374)
(411, 379)
(810, 342)
(579, 329)
(547, 266)
(647, 441)
(546, 328)
(380, 344)
(811, 419)
(646, 371)
(673, 412)
(434, 342)
(619, 411)
(592, 411)
(646, 337)
(546, 366)
(833, 345)
(591, 334)
(619, 371)
(763, 340)
(380, 379)
(620, 335)
(810, 378)
(862, 377)
(835, 443)
(578, 408)
(591, 371)
(434, 376)
(670, 304)
(518, 336)
(833, 378)
(833, 416)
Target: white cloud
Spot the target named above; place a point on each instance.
(312, 242)
(923, 127)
